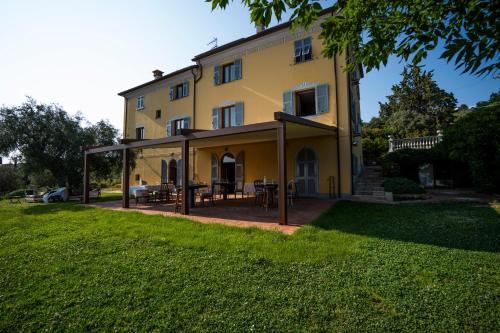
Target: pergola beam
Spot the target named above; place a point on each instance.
(86, 178)
(185, 177)
(126, 178)
(282, 175)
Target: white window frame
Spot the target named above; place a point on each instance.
(143, 131)
(139, 103)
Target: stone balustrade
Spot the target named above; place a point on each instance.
(424, 142)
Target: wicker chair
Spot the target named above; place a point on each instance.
(239, 188)
(259, 192)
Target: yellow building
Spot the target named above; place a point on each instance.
(266, 106)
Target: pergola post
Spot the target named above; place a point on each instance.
(86, 177)
(282, 176)
(185, 177)
(125, 178)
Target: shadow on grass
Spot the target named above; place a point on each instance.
(452, 225)
(40, 208)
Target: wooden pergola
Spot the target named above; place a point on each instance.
(298, 127)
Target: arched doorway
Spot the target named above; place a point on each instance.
(307, 172)
(228, 169)
(172, 171)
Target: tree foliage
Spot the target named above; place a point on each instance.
(409, 29)
(375, 141)
(417, 106)
(48, 138)
(475, 140)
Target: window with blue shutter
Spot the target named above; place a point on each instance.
(179, 91)
(169, 128)
(322, 98)
(238, 118)
(288, 102)
(237, 69)
(215, 118)
(217, 75)
(172, 93)
(186, 122)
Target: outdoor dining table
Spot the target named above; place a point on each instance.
(192, 189)
(269, 191)
(225, 186)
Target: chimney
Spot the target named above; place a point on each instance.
(157, 73)
(260, 27)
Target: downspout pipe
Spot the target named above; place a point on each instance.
(337, 115)
(195, 80)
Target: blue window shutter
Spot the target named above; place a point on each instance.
(217, 76)
(185, 89)
(186, 122)
(288, 102)
(322, 98)
(237, 69)
(239, 114)
(215, 118)
(169, 128)
(172, 93)
(306, 47)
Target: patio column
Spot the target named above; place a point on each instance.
(125, 178)
(185, 177)
(86, 177)
(282, 176)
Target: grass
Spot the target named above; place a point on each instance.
(360, 267)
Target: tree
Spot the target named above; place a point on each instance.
(417, 106)
(375, 30)
(375, 141)
(475, 140)
(48, 138)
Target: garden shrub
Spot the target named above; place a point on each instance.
(399, 185)
(405, 162)
(475, 139)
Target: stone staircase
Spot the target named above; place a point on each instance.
(369, 185)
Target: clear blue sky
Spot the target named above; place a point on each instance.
(81, 53)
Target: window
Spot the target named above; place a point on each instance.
(229, 116)
(227, 72)
(174, 126)
(303, 50)
(158, 114)
(179, 91)
(306, 103)
(139, 133)
(137, 177)
(140, 103)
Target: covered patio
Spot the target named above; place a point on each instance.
(239, 212)
(284, 127)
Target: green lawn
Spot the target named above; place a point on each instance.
(362, 267)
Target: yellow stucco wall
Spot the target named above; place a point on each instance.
(267, 72)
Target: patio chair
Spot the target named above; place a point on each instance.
(239, 188)
(259, 192)
(142, 196)
(163, 194)
(209, 195)
(178, 200)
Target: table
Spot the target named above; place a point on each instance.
(225, 185)
(192, 189)
(269, 190)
